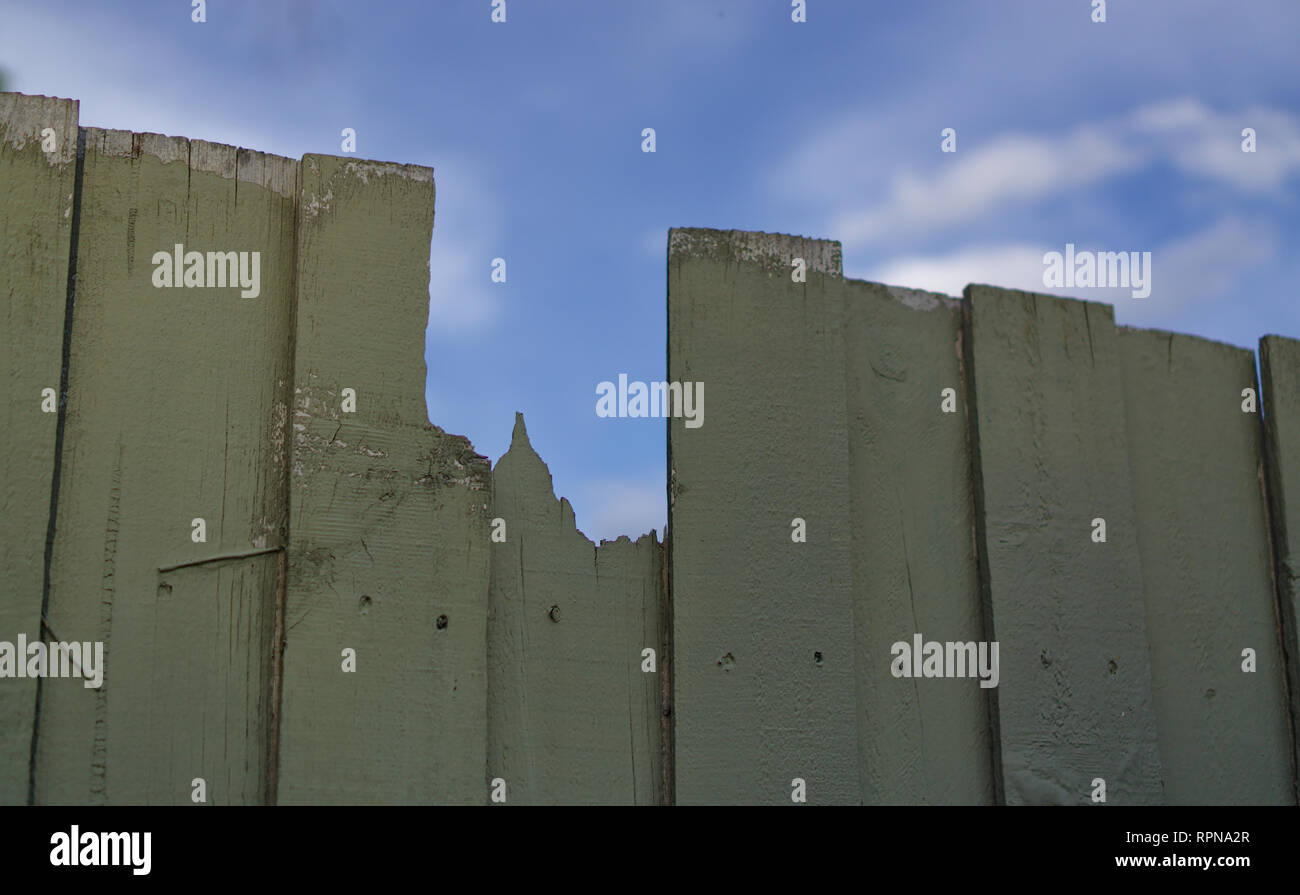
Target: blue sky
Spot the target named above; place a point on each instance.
(1121, 136)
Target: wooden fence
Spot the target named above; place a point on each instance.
(306, 593)
(1104, 503)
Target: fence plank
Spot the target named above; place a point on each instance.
(572, 718)
(1074, 701)
(1197, 476)
(754, 709)
(1279, 363)
(921, 741)
(36, 209)
(389, 515)
(176, 405)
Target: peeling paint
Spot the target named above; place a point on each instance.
(771, 252)
(408, 530)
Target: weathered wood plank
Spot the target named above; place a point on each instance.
(1074, 702)
(176, 410)
(572, 718)
(389, 515)
(1197, 483)
(764, 678)
(921, 741)
(36, 212)
(1279, 363)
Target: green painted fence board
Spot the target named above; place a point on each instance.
(36, 196)
(1074, 701)
(1206, 570)
(1279, 362)
(753, 706)
(176, 410)
(572, 718)
(388, 515)
(926, 740)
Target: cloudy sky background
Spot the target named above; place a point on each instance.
(1121, 136)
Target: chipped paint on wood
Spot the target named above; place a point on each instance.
(385, 539)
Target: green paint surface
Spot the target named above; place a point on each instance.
(754, 707)
(36, 195)
(176, 410)
(1202, 526)
(1279, 361)
(370, 531)
(572, 718)
(388, 515)
(1074, 702)
(926, 740)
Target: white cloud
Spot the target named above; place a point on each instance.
(864, 207)
(827, 166)
(613, 506)
(1201, 142)
(113, 70)
(1010, 266)
(967, 186)
(466, 237)
(1202, 266)
(655, 243)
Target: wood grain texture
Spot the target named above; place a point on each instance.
(177, 408)
(572, 718)
(754, 708)
(388, 514)
(1202, 527)
(1074, 702)
(926, 740)
(36, 196)
(1279, 362)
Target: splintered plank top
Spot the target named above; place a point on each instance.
(388, 515)
(573, 711)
